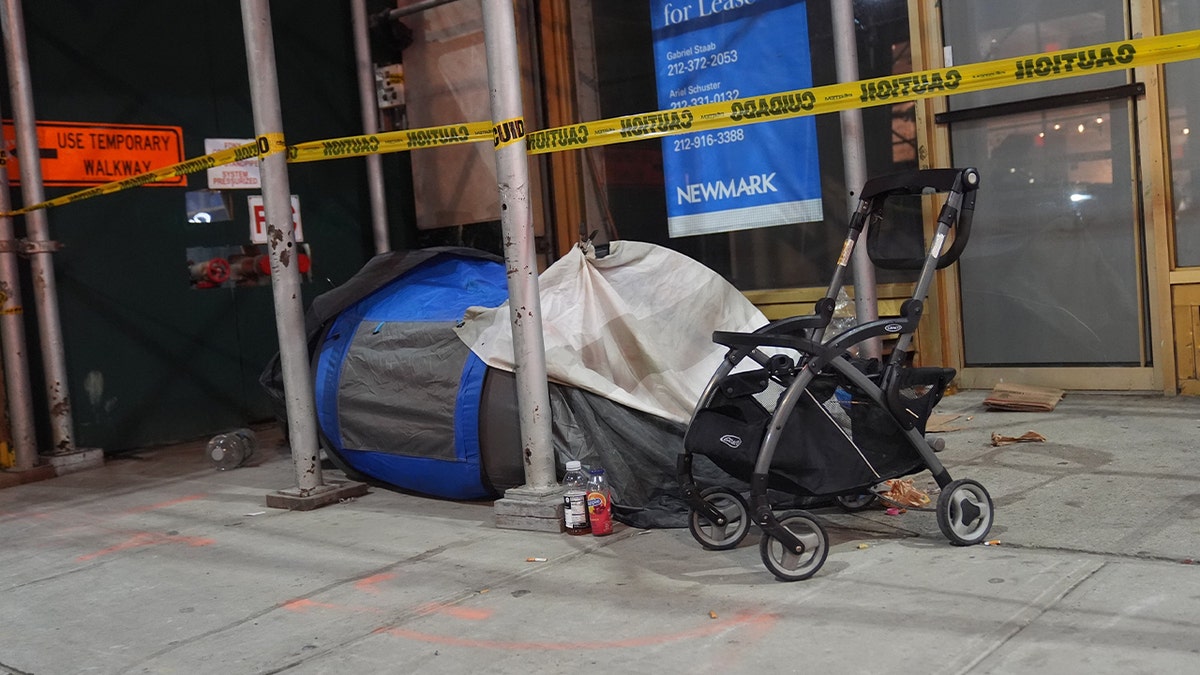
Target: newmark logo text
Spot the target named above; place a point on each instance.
(694, 193)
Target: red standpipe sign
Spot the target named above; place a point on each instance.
(84, 153)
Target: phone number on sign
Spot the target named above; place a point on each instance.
(698, 141)
(702, 62)
(707, 98)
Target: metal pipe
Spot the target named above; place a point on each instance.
(37, 229)
(281, 234)
(845, 46)
(516, 221)
(415, 7)
(12, 337)
(370, 117)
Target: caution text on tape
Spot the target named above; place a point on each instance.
(1109, 57)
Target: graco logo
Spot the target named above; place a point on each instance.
(731, 440)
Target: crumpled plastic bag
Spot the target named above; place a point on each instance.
(902, 491)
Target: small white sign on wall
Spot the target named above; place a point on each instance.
(241, 175)
(258, 219)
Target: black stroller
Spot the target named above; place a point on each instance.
(840, 425)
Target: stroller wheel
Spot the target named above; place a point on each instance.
(789, 565)
(724, 535)
(964, 512)
(859, 502)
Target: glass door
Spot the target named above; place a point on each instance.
(1053, 283)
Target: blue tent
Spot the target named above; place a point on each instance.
(397, 393)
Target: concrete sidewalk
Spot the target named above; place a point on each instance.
(156, 563)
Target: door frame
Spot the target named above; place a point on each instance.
(1152, 202)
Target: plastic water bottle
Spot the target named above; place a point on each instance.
(231, 449)
(575, 511)
(599, 503)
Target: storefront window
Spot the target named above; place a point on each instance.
(1183, 101)
(625, 181)
(1052, 275)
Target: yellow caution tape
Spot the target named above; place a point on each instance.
(267, 144)
(390, 141)
(1113, 56)
(1108, 57)
(508, 132)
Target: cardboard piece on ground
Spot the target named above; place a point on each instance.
(1023, 397)
(939, 423)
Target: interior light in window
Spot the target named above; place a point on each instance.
(1057, 127)
(1186, 131)
(1076, 198)
(1099, 120)
(1080, 127)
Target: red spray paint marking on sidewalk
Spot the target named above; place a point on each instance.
(146, 539)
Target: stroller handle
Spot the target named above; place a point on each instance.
(957, 213)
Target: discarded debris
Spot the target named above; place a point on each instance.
(901, 491)
(940, 423)
(535, 560)
(712, 615)
(1023, 398)
(894, 511)
(1027, 437)
(863, 546)
(256, 513)
(992, 542)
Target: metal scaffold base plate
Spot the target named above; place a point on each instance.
(79, 460)
(12, 477)
(295, 499)
(525, 508)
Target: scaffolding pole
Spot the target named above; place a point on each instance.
(845, 45)
(311, 490)
(367, 96)
(37, 227)
(12, 338)
(516, 221)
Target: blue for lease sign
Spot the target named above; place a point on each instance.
(745, 177)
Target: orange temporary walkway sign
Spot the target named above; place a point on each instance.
(83, 153)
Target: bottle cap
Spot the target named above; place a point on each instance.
(574, 465)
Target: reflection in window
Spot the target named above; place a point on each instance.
(1050, 275)
(206, 206)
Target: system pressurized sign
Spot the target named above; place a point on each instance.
(82, 153)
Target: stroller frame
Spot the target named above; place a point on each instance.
(794, 545)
